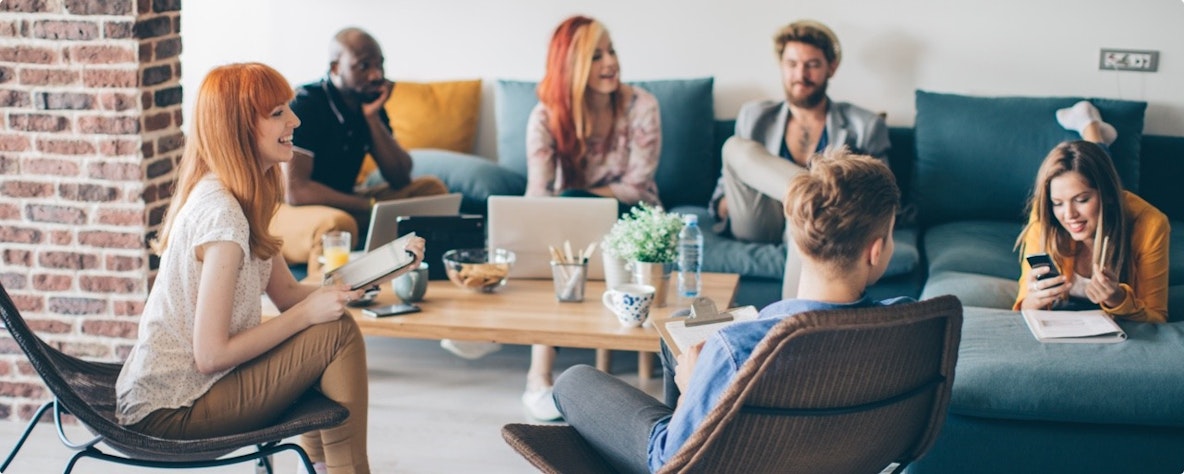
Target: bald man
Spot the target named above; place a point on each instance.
(342, 120)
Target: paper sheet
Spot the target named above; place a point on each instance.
(681, 336)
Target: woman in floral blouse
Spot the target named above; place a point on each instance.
(590, 136)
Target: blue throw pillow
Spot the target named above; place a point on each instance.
(475, 177)
(688, 166)
(977, 157)
(513, 101)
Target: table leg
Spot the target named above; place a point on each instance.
(645, 365)
(604, 360)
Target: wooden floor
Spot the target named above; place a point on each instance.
(430, 412)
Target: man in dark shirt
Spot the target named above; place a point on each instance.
(343, 120)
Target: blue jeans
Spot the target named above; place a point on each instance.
(614, 417)
(670, 391)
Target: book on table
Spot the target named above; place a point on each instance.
(1090, 326)
(679, 335)
(373, 267)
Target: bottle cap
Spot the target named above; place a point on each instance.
(690, 219)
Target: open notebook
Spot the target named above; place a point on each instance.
(1091, 326)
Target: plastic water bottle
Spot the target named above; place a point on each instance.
(690, 257)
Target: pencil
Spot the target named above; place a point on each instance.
(1102, 255)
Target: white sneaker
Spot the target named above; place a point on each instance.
(317, 468)
(540, 404)
(470, 350)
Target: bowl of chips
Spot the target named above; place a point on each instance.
(478, 269)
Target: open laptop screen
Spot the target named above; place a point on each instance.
(527, 225)
(385, 214)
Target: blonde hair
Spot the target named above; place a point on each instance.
(812, 33)
(843, 203)
(222, 142)
(1095, 166)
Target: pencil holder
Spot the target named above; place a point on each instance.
(569, 280)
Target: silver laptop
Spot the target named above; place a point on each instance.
(527, 225)
(384, 217)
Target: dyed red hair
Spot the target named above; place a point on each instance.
(569, 63)
(230, 102)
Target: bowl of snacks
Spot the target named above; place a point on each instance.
(478, 269)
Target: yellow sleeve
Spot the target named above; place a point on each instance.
(1147, 293)
(1031, 242)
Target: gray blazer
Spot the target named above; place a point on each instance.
(763, 121)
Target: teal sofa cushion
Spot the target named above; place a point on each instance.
(513, 101)
(475, 177)
(688, 166)
(974, 261)
(982, 247)
(1004, 372)
(1176, 272)
(1176, 254)
(977, 156)
(973, 445)
(1161, 170)
(973, 289)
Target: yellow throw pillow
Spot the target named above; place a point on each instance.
(432, 115)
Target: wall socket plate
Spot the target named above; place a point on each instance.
(1128, 60)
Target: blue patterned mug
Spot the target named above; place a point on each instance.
(631, 303)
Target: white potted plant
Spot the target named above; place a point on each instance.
(646, 238)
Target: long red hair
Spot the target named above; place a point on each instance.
(562, 90)
(222, 141)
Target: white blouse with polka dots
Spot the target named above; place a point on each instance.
(161, 371)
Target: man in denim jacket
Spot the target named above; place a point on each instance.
(841, 212)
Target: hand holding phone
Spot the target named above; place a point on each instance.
(391, 310)
(1038, 260)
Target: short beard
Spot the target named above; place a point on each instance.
(812, 100)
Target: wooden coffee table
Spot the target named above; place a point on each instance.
(526, 312)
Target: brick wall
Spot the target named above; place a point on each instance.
(90, 116)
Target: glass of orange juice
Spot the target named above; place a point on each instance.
(335, 246)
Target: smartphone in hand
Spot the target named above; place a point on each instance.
(1038, 260)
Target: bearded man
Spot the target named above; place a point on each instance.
(775, 140)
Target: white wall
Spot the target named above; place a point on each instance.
(891, 48)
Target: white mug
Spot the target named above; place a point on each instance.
(631, 303)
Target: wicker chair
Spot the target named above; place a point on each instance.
(842, 391)
(87, 390)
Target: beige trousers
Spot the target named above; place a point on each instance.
(329, 357)
(301, 227)
(755, 184)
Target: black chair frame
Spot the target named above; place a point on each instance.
(85, 389)
(88, 449)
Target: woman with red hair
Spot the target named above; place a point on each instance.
(590, 136)
(205, 364)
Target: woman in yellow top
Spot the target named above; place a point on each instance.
(1111, 246)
